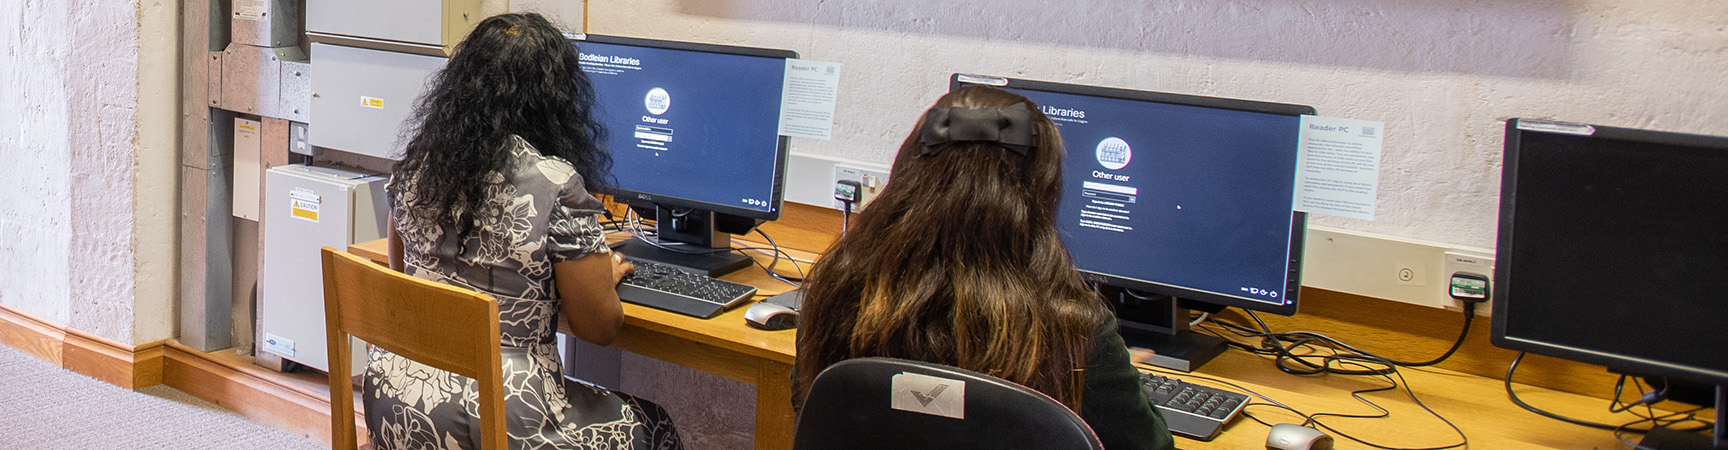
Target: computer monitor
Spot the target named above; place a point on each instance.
(1171, 202)
(693, 130)
(1612, 251)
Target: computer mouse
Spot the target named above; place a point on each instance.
(1289, 436)
(770, 316)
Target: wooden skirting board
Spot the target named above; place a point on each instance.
(296, 403)
(130, 367)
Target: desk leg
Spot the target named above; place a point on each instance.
(774, 417)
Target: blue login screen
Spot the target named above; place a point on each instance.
(1177, 195)
(690, 125)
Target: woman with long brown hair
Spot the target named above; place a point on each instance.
(958, 262)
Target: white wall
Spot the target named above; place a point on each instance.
(35, 193)
(155, 244)
(1442, 74)
(84, 148)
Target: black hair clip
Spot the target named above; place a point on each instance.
(1011, 126)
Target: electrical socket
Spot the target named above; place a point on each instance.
(870, 183)
(1473, 261)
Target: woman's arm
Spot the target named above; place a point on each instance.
(395, 245)
(588, 289)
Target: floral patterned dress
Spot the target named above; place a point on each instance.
(539, 214)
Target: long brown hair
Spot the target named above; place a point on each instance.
(958, 262)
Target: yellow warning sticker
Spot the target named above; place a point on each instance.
(306, 210)
(372, 102)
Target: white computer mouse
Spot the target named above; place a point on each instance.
(771, 316)
(1289, 436)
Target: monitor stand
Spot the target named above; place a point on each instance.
(688, 240)
(1666, 439)
(1167, 334)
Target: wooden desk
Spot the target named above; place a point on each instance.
(725, 346)
(1477, 405)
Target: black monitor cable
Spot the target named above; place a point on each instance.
(777, 252)
(1664, 421)
(845, 217)
(774, 250)
(1463, 332)
(1282, 346)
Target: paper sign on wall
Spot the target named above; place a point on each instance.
(1338, 166)
(807, 98)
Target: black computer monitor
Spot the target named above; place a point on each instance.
(1173, 202)
(1613, 250)
(693, 130)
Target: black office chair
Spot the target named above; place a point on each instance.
(882, 403)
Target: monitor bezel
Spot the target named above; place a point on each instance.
(1505, 263)
(1298, 219)
(639, 198)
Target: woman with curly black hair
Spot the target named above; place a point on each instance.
(492, 194)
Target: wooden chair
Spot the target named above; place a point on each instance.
(436, 324)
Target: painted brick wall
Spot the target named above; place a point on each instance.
(80, 141)
(1442, 74)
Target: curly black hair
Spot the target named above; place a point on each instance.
(515, 74)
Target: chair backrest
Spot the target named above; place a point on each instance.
(432, 323)
(873, 403)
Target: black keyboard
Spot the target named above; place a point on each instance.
(1192, 410)
(666, 287)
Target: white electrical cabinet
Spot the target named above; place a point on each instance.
(307, 208)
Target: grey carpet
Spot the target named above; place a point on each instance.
(47, 407)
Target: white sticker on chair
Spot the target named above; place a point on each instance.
(929, 395)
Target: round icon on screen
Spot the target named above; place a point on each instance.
(1114, 153)
(658, 101)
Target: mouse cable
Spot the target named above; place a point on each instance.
(1311, 418)
(1326, 366)
(1464, 441)
(1245, 413)
(1513, 395)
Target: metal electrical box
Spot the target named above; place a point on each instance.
(433, 23)
(363, 97)
(307, 208)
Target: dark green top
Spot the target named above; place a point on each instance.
(1113, 404)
